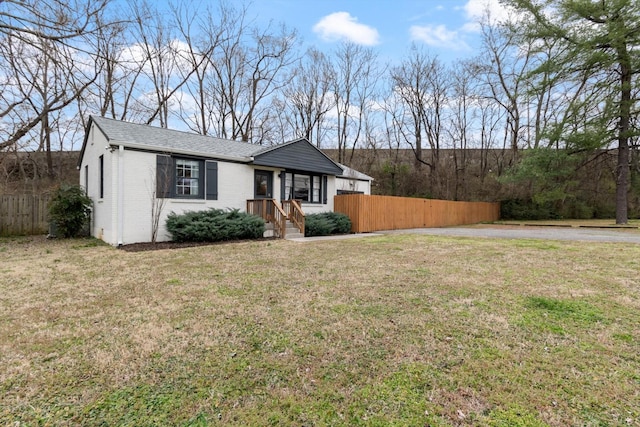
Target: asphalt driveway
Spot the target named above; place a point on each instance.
(531, 232)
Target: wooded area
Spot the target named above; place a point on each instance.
(545, 116)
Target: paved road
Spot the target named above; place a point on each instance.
(527, 232)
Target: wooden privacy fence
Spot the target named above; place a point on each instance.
(23, 214)
(376, 213)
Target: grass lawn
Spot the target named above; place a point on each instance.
(401, 330)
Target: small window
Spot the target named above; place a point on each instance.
(315, 195)
(288, 186)
(187, 178)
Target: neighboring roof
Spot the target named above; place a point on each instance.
(299, 154)
(353, 174)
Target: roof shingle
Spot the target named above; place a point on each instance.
(173, 140)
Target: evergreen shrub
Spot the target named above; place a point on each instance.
(520, 209)
(70, 211)
(326, 223)
(214, 225)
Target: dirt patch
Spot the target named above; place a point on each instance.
(149, 246)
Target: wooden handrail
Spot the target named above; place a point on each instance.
(294, 213)
(270, 211)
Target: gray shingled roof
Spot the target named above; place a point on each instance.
(172, 140)
(353, 174)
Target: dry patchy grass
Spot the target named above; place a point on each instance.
(390, 330)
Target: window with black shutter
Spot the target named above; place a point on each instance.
(184, 178)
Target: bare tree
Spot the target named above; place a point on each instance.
(249, 66)
(119, 81)
(202, 32)
(356, 75)
(158, 53)
(56, 21)
(307, 99)
(460, 127)
(43, 79)
(502, 68)
(421, 84)
(160, 187)
(46, 67)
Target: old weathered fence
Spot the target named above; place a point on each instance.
(23, 214)
(375, 213)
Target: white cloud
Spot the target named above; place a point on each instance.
(343, 26)
(437, 36)
(134, 54)
(471, 27)
(482, 10)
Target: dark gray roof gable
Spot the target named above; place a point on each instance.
(297, 155)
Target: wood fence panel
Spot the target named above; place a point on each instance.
(376, 213)
(23, 214)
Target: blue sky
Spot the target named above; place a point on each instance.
(448, 28)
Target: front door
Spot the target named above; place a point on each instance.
(263, 184)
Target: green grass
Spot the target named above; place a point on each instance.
(391, 330)
(557, 315)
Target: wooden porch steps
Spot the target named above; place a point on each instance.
(286, 220)
(291, 231)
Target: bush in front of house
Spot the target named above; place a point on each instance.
(214, 225)
(326, 223)
(69, 211)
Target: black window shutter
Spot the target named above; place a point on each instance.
(211, 180)
(282, 186)
(164, 176)
(101, 166)
(324, 189)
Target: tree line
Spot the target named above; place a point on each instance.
(552, 92)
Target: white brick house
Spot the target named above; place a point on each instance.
(131, 170)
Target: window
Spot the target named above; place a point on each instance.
(315, 188)
(186, 178)
(301, 187)
(305, 187)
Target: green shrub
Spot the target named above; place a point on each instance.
(70, 210)
(341, 221)
(317, 226)
(578, 209)
(214, 225)
(326, 223)
(527, 210)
